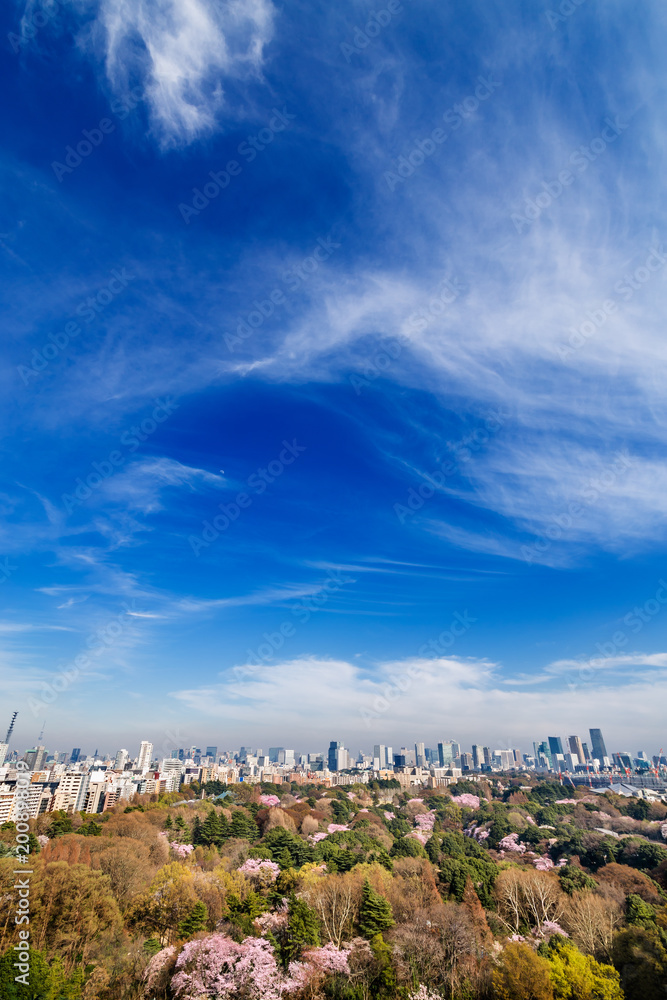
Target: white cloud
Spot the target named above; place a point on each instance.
(318, 700)
(140, 485)
(185, 53)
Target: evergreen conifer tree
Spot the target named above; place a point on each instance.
(375, 913)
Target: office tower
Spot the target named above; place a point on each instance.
(587, 753)
(506, 759)
(543, 749)
(576, 747)
(3, 752)
(456, 748)
(390, 756)
(286, 757)
(145, 756)
(274, 753)
(477, 756)
(467, 762)
(555, 745)
(571, 761)
(211, 751)
(623, 759)
(487, 755)
(35, 758)
(598, 744)
(384, 755)
(121, 760)
(420, 756)
(332, 756)
(74, 756)
(399, 760)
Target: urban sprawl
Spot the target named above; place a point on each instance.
(94, 783)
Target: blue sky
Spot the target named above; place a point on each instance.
(433, 259)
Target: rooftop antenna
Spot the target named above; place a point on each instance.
(11, 728)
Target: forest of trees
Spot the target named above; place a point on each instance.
(498, 890)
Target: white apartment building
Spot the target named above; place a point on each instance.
(145, 756)
(70, 795)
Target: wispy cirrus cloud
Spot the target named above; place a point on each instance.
(186, 53)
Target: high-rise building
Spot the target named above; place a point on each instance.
(121, 760)
(3, 752)
(420, 756)
(384, 755)
(477, 755)
(587, 753)
(211, 751)
(598, 744)
(35, 758)
(555, 745)
(467, 762)
(145, 756)
(332, 756)
(74, 756)
(487, 755)
(576, 747)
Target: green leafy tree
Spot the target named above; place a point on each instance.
(168, 823)
(195, 920)
(60, 824)
(573, 879)
(641, 960)
(375, 914)
(638, 912)
(579, 977)
(384, 983)
(407, 847)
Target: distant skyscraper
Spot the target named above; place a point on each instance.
(121, 760)
(35, 758)
(477, 755)
(447, 751)
(598, 744)
(576, 747)
(74, 756)
(587, 753)
(211, 751)
(332, 756)
(3, 752)
(555, 745)
(420, 756)
(145, 755)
